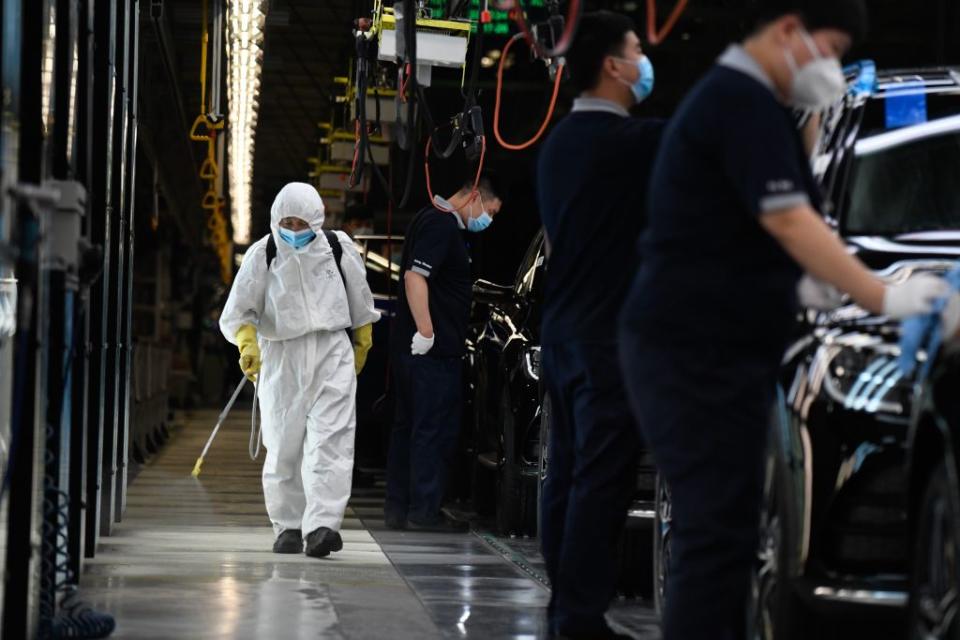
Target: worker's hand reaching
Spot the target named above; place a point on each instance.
(421, 345)
(915, 296)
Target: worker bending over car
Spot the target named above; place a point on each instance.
(297, 294)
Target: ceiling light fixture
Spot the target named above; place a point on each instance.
(244, 63)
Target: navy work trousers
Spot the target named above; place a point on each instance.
(591, 479)
(424, 436)
(704, 410)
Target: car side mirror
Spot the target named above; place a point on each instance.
(485, 292)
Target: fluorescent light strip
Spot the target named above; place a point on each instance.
(244, 57)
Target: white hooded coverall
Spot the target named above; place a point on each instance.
(307, 382)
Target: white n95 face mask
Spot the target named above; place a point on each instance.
(820, 83)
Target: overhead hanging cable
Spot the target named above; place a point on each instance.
(548, 41)
(568, 24)
(496, 110)
(467, 126)
(655, 37)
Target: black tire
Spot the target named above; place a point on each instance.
(934, 600)
(662, 522)
(775, 610)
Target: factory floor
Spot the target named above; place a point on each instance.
(191, 559)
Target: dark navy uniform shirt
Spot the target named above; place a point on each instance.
(434, 247)
(592, 179)
(710, 271)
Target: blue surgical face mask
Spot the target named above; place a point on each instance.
(481, 222)
(297, 239)
(643, 87)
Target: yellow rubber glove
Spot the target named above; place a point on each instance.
(362, 342)
(249, 351)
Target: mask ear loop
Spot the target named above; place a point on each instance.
(811, 44)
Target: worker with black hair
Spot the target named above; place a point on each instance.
(592, 178)
(428, 342)
(733, 223)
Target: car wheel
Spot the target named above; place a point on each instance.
(516, 495)
(935, 597)
(775, 611)
(662, 524)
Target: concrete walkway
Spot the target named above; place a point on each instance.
(192, 558)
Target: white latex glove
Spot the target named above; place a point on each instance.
(818, 295)
(420, 345)
(915, 296)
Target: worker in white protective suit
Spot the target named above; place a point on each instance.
(290, 307)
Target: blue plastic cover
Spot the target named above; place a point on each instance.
(924, 332)
(906, 105)
(865, 82)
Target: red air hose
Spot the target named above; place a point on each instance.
(496, 109)
(655, 37)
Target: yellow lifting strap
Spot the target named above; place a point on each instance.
(204, 45)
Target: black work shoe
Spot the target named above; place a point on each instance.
(289, 541)
(443, 525)
(322, 542)
(394, 521)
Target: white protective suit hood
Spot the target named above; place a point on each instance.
(302, 291)
(297, 200)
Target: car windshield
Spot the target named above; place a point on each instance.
(904, 177)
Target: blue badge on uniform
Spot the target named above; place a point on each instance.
(906, 105)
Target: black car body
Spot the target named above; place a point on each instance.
(503, 387)
(835, 531)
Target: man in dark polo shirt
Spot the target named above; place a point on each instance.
(733, 224)
(592, 180)
(428, 342)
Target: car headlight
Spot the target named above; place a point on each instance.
(531, 363)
